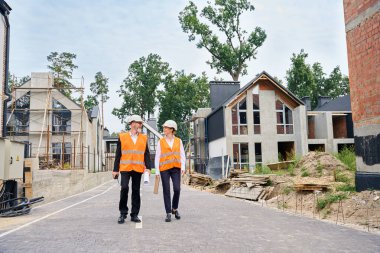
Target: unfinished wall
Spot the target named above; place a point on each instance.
(362, 20)
(269, 125)
(217, 147)
(57, 184)
(300, 130)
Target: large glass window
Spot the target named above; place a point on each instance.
(58, 155)
(241, 155)
(256, 114)
(239, 118)
(61, 119)
(284, 118)
(20, 116)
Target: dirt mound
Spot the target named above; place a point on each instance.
(319, 164)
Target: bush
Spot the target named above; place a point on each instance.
(293, 165)
(262, 169)
(291, 168)
(341, 177)
(329, 199)
(347, 156)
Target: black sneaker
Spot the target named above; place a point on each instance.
(168, 217)
(176, 214)
(121, 218)
(135, 219)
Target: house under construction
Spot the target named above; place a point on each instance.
(55, 128)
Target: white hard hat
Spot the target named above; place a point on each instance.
(134, 118)
(170, 123)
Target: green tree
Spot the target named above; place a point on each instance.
(300, 76)
(182, 96)
(337, 84)
(100, 89)
(305, 80)
(139, 91)
(62, 66)
(319, 83)
(13, 81)
(239, 46)
(89, 102)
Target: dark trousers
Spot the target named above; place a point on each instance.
(136, 201)
(175, 175)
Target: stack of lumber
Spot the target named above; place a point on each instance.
(248, 186)
(310, 187)
(251, 180)
(266, 193)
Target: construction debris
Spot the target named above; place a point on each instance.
(240, 185)
(250, 193)
(310, 187)
(199, 180)
(279, 165)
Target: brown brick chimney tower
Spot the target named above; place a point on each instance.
(362, 19)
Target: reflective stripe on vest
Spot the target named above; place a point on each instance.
(132, 155)
(131, 162)
(170, 157)
(124, 152)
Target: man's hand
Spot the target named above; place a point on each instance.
(146, 170)
(115, 175)
(182, 172)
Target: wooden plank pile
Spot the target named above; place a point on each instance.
(248, 186)
(310, 187)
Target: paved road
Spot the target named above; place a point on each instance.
(210, 223)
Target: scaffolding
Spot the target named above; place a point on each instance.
(50, 123)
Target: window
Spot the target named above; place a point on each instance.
(256, 114)
(113, 147)
(241, 155)
(258, 153)
(57, 148)
(61, 119)
(20, 116)
(284, 118)
(152, 141)
(239, 118)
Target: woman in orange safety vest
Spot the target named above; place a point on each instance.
(170, 164)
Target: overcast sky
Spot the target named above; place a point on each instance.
(108, 35)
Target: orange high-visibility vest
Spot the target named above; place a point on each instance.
(132, 155)
(170, 157)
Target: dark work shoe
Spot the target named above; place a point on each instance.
(168, 217)
(135, 219)
(121, 218)
(176, 214)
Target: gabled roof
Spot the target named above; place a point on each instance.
(260, 76)
(340, 104)
(263, 74)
